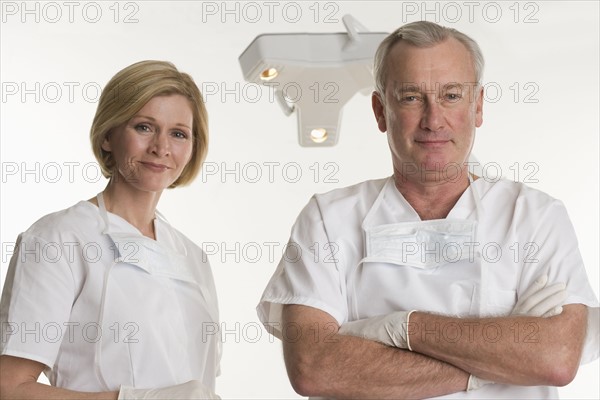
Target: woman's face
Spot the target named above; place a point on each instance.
(153, 147)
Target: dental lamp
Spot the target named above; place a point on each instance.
(314, 75)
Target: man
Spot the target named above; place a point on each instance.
(443, 283)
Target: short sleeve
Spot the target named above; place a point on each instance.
(36, 300)
(308, 274)
(558, 255)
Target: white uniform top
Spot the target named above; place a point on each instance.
(521, 233)
(103, 306)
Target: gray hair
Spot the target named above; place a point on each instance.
(423, 34)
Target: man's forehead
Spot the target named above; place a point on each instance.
(444, 62)
(449, 44)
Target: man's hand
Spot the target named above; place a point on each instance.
(540, 300)
(390, 329)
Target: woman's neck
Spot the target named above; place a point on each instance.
(135, 206)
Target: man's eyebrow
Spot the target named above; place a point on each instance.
(403, 88)
(452, 85)
(408, 87)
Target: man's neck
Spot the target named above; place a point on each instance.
(431, 200)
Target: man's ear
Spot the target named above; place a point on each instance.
(479, 108)
(379, 111)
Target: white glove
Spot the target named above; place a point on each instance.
(475, 383)
(390, 329)
(189, 390)
(538, 300)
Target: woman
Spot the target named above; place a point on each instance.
(112, 298)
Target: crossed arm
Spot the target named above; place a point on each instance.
(326, 364)
(19, 381)
(518, 350)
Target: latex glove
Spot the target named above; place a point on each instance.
(390, 329)
(475, 383)
(538, 300)
(189, 390)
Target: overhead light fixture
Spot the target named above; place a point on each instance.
(314, 74)
(269, 74)
(318, 135)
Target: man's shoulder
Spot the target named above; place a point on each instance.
(516, 191)
(348, 204)
(519, 200)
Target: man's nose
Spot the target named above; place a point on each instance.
(433, 116)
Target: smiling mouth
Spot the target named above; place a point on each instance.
(432, 143)
(154, 167)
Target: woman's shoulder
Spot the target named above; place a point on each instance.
(81, 217)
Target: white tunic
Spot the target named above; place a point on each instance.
(521, 233)
(100, 307)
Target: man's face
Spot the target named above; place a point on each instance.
(431, 109)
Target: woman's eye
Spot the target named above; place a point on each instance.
(142, 128)
(180, 135)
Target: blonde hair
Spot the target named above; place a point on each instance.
(127, 93)
(423, 34)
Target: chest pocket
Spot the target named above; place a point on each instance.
(499, 302)
(417, 265)
(449, 289)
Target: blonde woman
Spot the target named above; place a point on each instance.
(129, 307)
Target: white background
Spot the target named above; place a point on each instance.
(553, 58)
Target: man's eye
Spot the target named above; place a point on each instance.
(452, 97)
(410, 99)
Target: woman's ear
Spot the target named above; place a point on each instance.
(106, 143)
